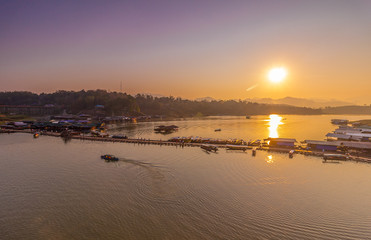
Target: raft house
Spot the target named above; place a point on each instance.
(338, 145)
(280, 142)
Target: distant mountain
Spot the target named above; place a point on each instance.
(301, 102)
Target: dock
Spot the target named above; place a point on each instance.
(143, 141)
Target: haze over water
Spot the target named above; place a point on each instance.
(56, 190)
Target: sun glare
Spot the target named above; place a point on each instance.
(277, 74)
(273, 122)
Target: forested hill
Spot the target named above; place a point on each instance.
(170, 106)
(125, 104)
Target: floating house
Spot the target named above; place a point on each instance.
(336, 145)
(281, 142)
(350, 136)
(340, 136)
(364, 146)
(322, 145)
(339, 121)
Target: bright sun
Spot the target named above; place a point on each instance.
(277, 74)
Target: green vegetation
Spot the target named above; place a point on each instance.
(13, 118)
(124, 104)
(75, 102)
(177, 107)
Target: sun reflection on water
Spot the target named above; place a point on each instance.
(273, 122)
(269, 159)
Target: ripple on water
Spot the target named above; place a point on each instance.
(52, 191)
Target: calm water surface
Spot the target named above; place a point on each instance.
(53, 190)
(258, 127)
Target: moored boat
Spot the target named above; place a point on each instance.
(335, 156)
(255, 143)
(96, 133)
(325, 161)
(120, 136)
(238, 147)
(209, 148)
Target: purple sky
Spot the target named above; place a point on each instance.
(188, 48)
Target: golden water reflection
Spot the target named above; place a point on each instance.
(269, 159)
(273, 122)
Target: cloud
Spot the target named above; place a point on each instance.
(251, 88)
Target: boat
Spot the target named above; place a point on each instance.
(218, 130)
(255, 143)
(99, 134)
(324, 161)
(335, 156)
(209, 148)
(238, 147)
(120, 136)
(109, 157)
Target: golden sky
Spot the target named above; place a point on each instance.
(189, 49)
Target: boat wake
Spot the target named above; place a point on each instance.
(153, 182)
(139, 163)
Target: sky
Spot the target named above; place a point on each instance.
(189, 49)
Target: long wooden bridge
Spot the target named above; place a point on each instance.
(177, 144)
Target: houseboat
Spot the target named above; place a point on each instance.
(280, 142)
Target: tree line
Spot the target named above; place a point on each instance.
(117, 103)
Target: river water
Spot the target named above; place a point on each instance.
(55, 190)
